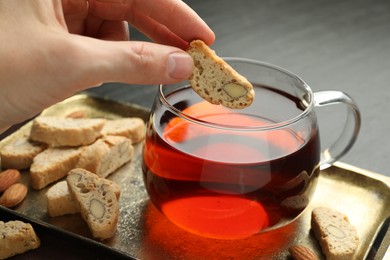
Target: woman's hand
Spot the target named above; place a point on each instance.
(50, 49)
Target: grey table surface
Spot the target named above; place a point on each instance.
(331, 44)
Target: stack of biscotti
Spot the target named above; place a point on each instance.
(66, 139)
(55, 145)
(16, 237)
(89, 148)
(97, 200)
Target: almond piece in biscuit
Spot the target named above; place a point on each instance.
(216, 81)
(98, 203)
(337, 237)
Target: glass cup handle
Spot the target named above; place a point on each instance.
(351, 128)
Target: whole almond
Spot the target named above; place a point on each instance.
(13, 195)
(300, 252)
(8, 177)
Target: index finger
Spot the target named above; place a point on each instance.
(174, 14)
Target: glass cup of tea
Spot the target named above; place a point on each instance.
(232, 173)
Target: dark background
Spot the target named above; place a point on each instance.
(331, 44)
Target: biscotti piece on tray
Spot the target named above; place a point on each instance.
(106, 155)
(52, 165)
(57, 131)
(97, 201)
(131, 127)
(337, 237)
(16, 237)
(60, 202)
(216, 81)
(19, 153)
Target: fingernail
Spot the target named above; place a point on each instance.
(180, 65)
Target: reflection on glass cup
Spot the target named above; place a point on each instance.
(230, 174)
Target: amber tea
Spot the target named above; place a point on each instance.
(224, 182)
(232, 173)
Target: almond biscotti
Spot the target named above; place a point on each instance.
(20, 153)
(216, 81)
(337, 237)
(106, 155)
(60, 202)
(97, 201)
(60, 132)
(52, 165)
(130, 127)
(16, 237)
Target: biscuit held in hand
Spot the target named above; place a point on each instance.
(216, 81)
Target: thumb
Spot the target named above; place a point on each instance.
(134, 62)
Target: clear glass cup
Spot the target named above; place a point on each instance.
(232, 173)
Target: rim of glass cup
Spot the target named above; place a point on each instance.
(271, 126)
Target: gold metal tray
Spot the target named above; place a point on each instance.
(144, 233)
